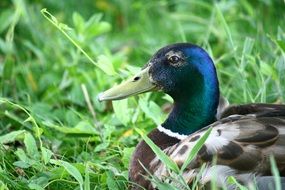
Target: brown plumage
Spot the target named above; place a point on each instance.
(242, 141)
(144, 155)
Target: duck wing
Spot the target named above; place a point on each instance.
(266, 110)
(241, 141)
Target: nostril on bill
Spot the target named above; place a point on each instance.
(136, 78)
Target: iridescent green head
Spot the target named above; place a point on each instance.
(188, 75)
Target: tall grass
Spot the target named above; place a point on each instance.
(54, 134)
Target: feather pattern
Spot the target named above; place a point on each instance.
(242, 141)
(242, 138)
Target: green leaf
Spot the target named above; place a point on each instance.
(11, 137)
(101, 146)
(3, 186)
(21, 164)
(151, 109)
(6, 18)
(122, 111)
(127, 155)
(78, 21)
(94, 19)
(73, 171)
(159, 153)
(82, 128)
(111, 182)
(232, 180)
(22, 155)
(198, 145)
(38, 183)
(97, 29)
(46, 154)
(94, 27)
(35, 186)
(108, 130)
(25, 161)
(105, 64)
(31, 146)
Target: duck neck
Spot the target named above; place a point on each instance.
(193, 109)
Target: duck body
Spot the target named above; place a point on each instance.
(242, 144)
(242, 139)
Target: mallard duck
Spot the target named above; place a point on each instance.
(242, 137)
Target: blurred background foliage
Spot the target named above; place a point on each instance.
(54, 134)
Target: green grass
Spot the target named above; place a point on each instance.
(54, 134)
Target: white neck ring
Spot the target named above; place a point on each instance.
(170, 133)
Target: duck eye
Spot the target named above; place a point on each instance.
(174, 59)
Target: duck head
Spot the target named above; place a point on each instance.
(185, 72)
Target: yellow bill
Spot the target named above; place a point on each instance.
(140, 83)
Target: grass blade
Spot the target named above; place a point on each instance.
(87, 178)
(73, 171)
(196, 149)
(225, 25)
(275, 172)
(159, 153)
(232, 180)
